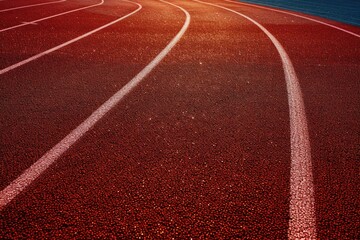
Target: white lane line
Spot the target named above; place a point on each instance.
(30, 23)
(30, 59)
(29, 175)
(52, 16)
(297, 15)
(302, 224)
(28, 6)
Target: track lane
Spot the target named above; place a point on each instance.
(87, 66)
(49, 158)
(327, 65)
(35, 21)
(30, 6)
(8, 19)
(62, 45)
(37, 109)
(155, 167)
(36, 40)
(138, 42)
(302, 223)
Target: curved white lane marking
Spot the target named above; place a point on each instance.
(49, 17)
(296, 15)
(30, 59)
(33, 172)
(32, 5)
(302, 224)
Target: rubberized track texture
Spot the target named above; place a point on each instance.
(151, 119)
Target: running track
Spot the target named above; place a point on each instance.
(177, 119)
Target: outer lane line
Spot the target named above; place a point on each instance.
(297, 15)
(30, 59)
(302, 223)
(34, 171)
(49, 17)
(32, 5)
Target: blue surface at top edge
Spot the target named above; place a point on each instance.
(345, 11)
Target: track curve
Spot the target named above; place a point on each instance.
(201, 147)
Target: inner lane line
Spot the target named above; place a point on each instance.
(34, 171)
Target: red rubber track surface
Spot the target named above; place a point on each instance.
(201, 148)
(327, 64)
(5, 4)
(19, 16)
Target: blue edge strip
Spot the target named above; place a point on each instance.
(346, 11)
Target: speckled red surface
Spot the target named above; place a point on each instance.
(201, 148)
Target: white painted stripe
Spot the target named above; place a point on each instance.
(30, 23)
(30, 59)
(28, 6)
(302, 223)
(297, 15)
(29, 175)
(52, 16)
